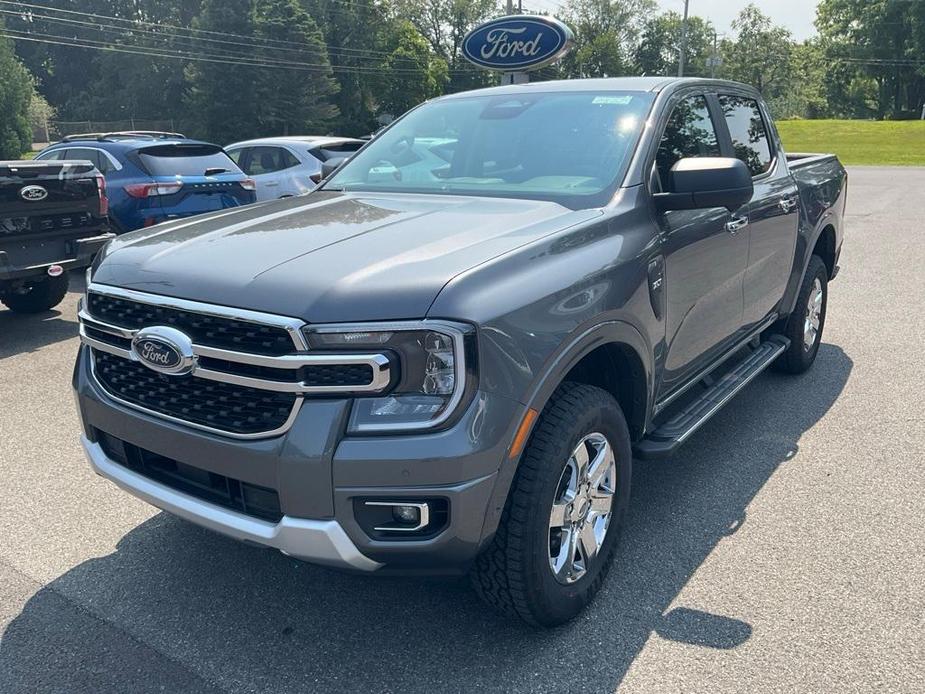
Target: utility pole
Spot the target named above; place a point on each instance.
(510, 7)
(683, 40)
(713, 57)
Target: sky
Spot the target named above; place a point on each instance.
(795, 15)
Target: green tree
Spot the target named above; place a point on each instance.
(444, 24)
(880, 42)
(412, 72)
(607, 35)
(233, 102)
(759, 54)
(16, 92)
(660, 44)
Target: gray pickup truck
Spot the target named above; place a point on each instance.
(53, 218)
(446, 357)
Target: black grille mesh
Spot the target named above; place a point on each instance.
(231, 408)
(210, 331)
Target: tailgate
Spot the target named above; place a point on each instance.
(48, 189)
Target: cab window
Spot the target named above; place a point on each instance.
(750, 140)
(689, 133)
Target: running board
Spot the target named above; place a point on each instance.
(665, 440)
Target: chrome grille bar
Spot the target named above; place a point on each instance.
(378, 363)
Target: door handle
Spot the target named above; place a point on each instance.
(736, 223)
(271, 183)
(787, 204)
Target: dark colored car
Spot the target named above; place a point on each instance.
(52, 219)
(154, 177)
(446, 357)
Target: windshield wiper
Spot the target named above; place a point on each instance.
(213, 171)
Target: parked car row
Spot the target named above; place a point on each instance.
(152, 177)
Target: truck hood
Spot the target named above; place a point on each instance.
(329, 257)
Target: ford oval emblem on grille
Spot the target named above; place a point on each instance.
(163, 349)
(33, 193)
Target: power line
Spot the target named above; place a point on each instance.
(121, 31)
(154, 52)
(256, 40)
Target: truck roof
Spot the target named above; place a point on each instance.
(599, 84)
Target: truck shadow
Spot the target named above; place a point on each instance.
(20, 333)
(251, 619)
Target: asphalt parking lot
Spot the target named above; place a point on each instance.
(783, 550)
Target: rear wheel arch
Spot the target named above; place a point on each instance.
(825, 248)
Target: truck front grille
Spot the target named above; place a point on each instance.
(249, 499)
(223, 406)
(246, 374)
(221, 332)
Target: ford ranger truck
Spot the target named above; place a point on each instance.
(446, 357)
(52, 219)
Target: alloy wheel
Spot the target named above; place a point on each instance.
(582, 508)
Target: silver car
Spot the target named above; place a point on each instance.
(287, 166)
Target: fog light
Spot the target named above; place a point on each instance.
(406, 514)
(407, 517)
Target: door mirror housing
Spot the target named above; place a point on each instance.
(696, 183)
(330, 166)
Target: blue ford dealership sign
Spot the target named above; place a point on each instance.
(517, 43)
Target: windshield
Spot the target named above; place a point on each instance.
(569, 147)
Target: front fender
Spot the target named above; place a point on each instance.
(573, 350)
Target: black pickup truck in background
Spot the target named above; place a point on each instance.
(52, 219)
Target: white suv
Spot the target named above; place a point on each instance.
(286, 166)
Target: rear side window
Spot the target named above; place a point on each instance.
(263, 160)
(750, 139)
(54, 155)
(100, 161)
(689, 133)
(186, 160)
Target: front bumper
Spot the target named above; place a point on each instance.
(319, 541)
(319, 475)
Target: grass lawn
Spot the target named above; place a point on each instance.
(898, 143)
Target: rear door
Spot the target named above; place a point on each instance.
(272, 168)
(773, 214)
(705, 259)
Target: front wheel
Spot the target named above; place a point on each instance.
(805, 324)
(563, 516)
(40, 296)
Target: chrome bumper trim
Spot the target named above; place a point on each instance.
(319, 541)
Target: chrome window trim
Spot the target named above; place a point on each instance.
(282, 429)
(459, 354)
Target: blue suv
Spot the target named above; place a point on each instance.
(152, 176)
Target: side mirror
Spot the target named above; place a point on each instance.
(330, 166)
(702, 182)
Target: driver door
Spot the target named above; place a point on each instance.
(705, 256)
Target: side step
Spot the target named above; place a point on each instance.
(665, 440)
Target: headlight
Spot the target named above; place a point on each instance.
(436, 361)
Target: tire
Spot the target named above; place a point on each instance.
(799, 356)
(41, 296)
(515, 573)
